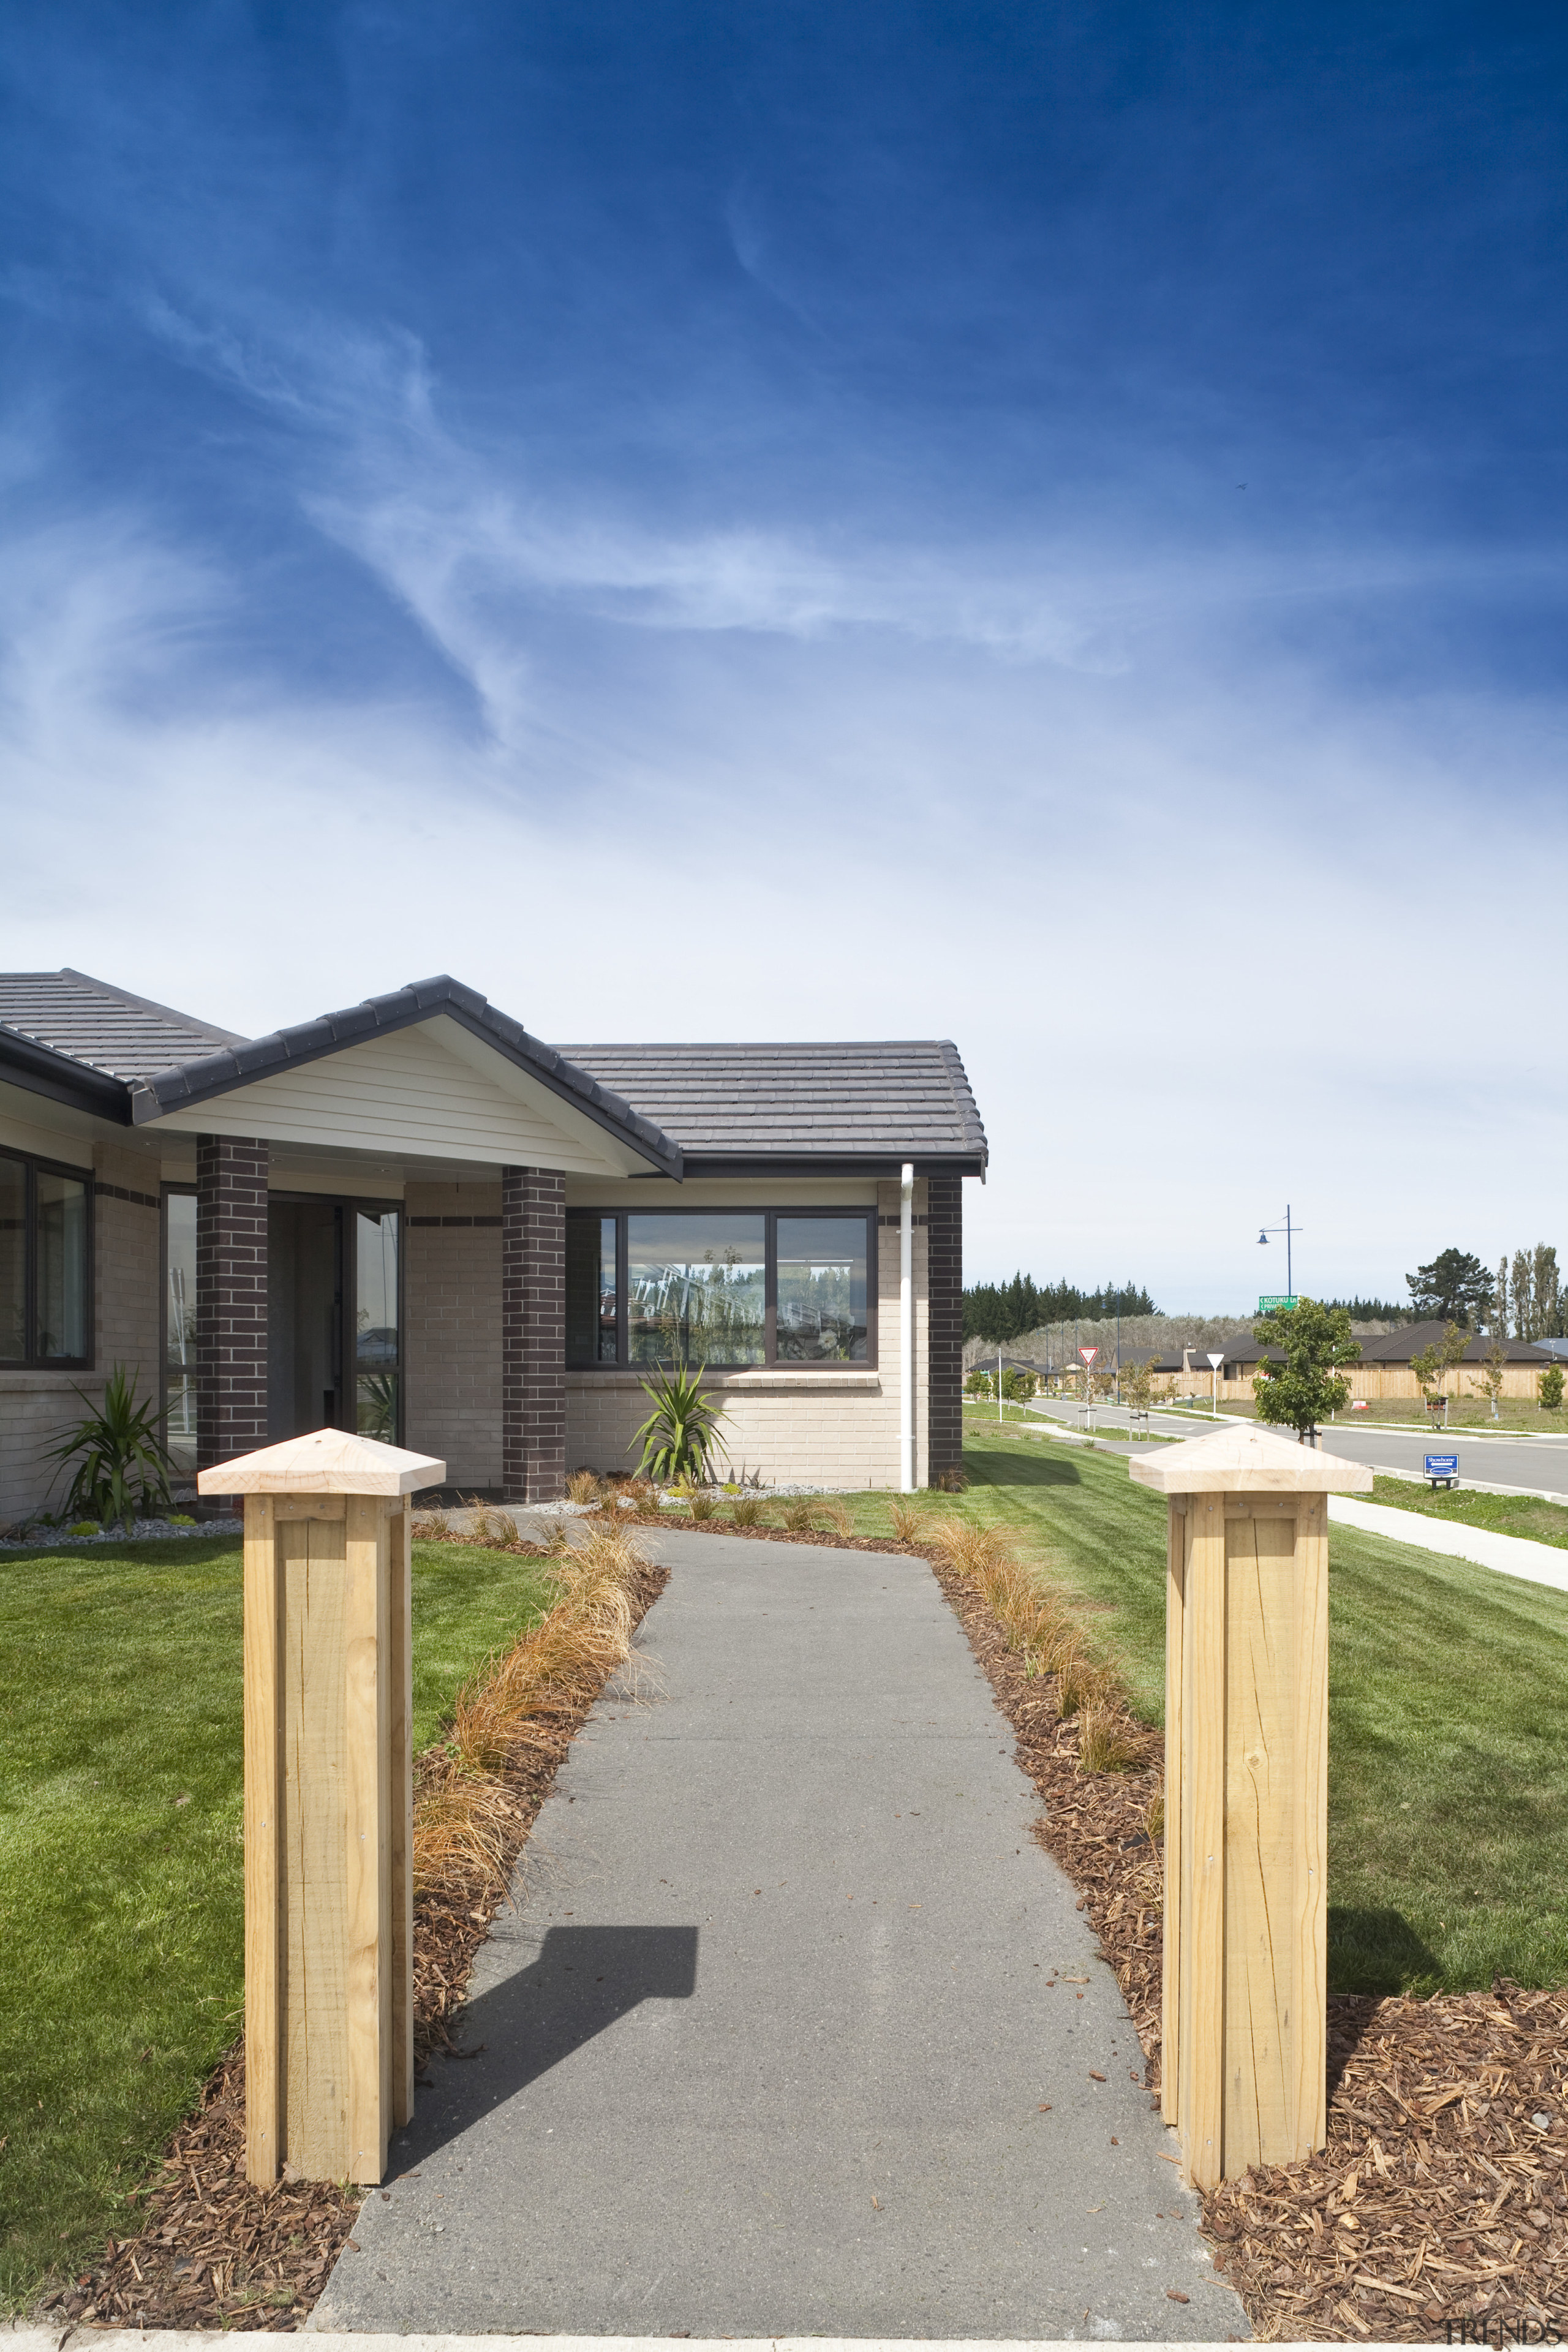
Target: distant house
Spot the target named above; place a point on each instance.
(415, 1219)
(1384, 1367)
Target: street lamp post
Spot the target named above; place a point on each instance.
(1288, 1230)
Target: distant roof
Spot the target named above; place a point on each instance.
(809, 1102)
(106, 1028)
(1412, 1339)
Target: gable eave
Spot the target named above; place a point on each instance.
(209, 1076)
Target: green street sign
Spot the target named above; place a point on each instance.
(1274, 1306)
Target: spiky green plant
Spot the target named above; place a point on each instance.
(680, 1435)
(121, 1466)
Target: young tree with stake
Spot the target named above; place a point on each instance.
(1309, 1385)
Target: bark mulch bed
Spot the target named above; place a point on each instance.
(1442, 2195)
(213, 2251)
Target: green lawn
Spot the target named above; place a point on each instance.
(121, 1946)
(1505, 1515)
(1448, 1719)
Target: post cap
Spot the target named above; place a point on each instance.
(328, 1462)
(1246, 1460)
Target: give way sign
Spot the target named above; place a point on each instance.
(1088, 1354)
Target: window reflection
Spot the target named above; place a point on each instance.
(592, 1301)
(180, 1327)
(697, 1289)
(377, 1355)
(13, 1258)
(821, 1290)
(59, 1266)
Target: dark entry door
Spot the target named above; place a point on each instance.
(305, 1318)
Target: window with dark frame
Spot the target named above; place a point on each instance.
(729, 1288)
(45, 1280)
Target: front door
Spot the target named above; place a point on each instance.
(334, 1318)
(305, 1319)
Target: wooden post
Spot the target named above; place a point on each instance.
(1247, 1690)
(329, 2052)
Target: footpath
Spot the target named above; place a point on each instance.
(794, 2030)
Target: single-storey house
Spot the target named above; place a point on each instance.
(415, 1220)
(1384, 1367)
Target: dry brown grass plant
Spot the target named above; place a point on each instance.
(838, 1518)
(518, 1699)
(907, 1521)
(702, 1507)
(583, 1486)
(1103, 1741)
(746, 1511)
(799, 1516)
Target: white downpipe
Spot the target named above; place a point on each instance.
(907, 1332)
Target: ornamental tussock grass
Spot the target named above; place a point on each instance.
(519, 1700)
(583, 1486)
(1041, 1622)
(907, 1521)
(746, 1511)
(1104, 1743)
(800, 1516)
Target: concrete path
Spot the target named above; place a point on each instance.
(1537, 1563)
(781, 2039)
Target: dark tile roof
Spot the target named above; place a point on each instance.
(905, 1098)
(105, 1029)
(1411, 1338)
(809, 1105)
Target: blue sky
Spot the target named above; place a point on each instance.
(1039, 525)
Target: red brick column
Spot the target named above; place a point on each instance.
(533, 1334)
(944, 1323)
(231, 1297)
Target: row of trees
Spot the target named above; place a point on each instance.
(1523, 1301)
(1003, 1311)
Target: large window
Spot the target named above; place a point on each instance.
(46, 1216)
(726, 1287)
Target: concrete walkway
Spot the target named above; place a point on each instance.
(1537, 1563)
(782, 2038)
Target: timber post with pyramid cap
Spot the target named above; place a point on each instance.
(329, 1897)
(1244, 2017)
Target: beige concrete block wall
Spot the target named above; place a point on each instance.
(817, 1429)
(452, 1328)
(37, 1408)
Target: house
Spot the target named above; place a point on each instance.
(414, 1219)
(1384, 1367)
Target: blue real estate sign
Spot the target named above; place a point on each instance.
(1442, 1466)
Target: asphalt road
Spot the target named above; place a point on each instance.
(794, 2030)
(1538, 1464)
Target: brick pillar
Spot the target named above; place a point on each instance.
(231, 1296)
(945, 1323)
(533, 1334)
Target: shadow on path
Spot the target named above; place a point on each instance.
(584, 1980)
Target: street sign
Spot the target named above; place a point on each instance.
(1443, 1465)
(1216, 1361)
(1088, 1354)
(1272, 1306)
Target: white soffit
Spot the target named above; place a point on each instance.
(432, 1091)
